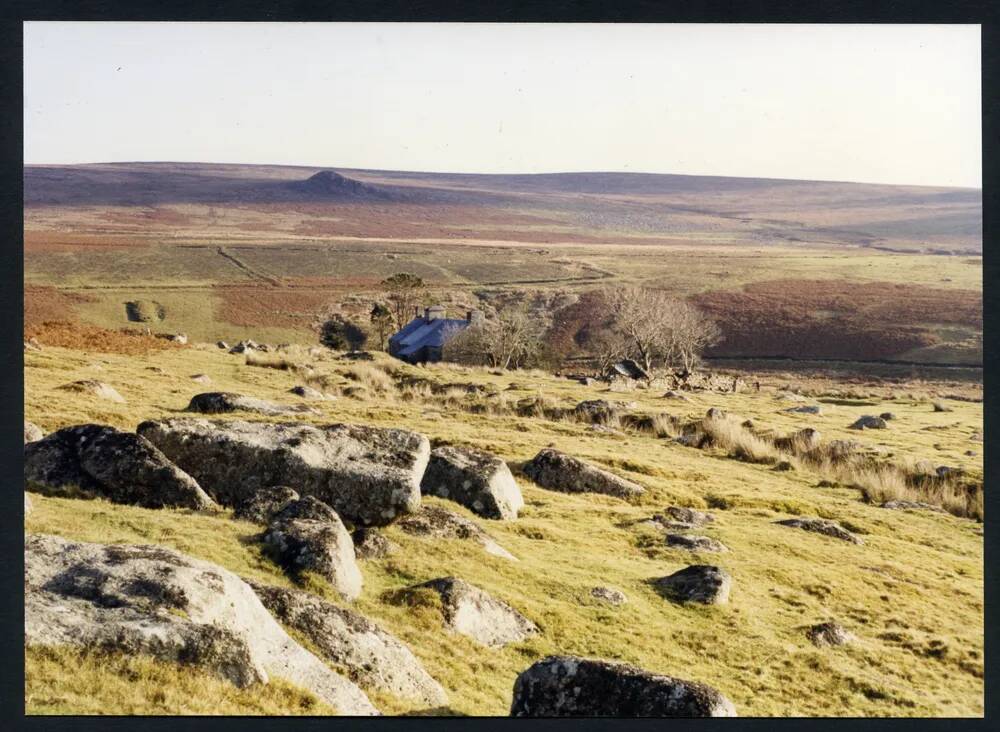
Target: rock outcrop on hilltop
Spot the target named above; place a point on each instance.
(570, 686)
(479, 481)
(120, 466)
(475, 613)
(561, 472)
(152, 600)
(368, 475)
(348, 640)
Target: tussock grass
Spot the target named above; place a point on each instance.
(270, 361)
(729, 435)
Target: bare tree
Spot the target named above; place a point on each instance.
(381, 320)
(404, 292)
(656, 327)
(510, 340)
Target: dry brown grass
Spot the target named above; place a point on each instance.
(101, 340)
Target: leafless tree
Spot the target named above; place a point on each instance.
(656, 327)
(510, 340)
(404, 292)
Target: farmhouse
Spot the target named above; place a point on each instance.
(422, 339)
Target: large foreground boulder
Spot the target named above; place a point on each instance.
(440, 523)
(120, 466)
(222, 402)
(306, 541)
(561, 472)
(369, 475)
(479, 481)
(151, 600)
(701, 583)
(822, 526)
(570, 686)
(348, 640)
(475, 613)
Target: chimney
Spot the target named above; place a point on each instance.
(435, 312)
(427, 313)
(474, 316)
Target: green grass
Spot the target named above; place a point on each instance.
(914, 588)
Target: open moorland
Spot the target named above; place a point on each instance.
(904, 584)
(797, 269)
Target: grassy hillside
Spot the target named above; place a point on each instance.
(913, 593)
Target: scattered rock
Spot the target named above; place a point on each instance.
(887, 416)
(561, 472)
(695, 543)
(601, 411)
(715, 413)
(348, 640)
(784, 466)
(688, 515)
(976, 437)
(702, 583)
(570, 686)
(748, 424)
(32, 432)
(942, 407)
(610, 595)
(32, 344)
(473, 612)
(148, 599)
(912, 506)
(441, 523)
(222, 344)
(368, 475)
(822, 526)
(261, 505)
(120, 466)
(220, 402)
(477, 480)
(970, 453)
(868, 422)
(321, 546)
(244, 346)
(806, 409)
(307, 392)
(371, 543)
(97, 388)
(202, 378)
(946, 471)
(679, 396)
(829, 634)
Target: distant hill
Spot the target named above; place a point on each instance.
(596, 207)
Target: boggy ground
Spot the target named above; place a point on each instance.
(912, 593)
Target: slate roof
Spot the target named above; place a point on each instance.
(419, 333)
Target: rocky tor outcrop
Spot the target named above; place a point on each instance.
(261, 505)
(570, 686)
(151, 600)
(120, 466)
(368, 475)
(561, 472)
(348, 640)
(479, 481)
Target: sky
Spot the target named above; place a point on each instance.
(866, 103)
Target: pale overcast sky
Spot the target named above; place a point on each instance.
(894, 104)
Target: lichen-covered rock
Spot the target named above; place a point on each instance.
(561, 472)
(368, 475)
(309, 508)
(601, 411)
(701, 583)
(609, 595)
(152, 600)
(869, 422)
(261, 506)
(901, 505)
(308, 393)
(370, 543)
(222, 402)
(805, 409)
(686, 515)
(822, 526)
(887, 416)
(829, 634)
(350, 641)
(32, 432)
(477, 480)
(96, 388)
(570, 686)
(695, 543)
(120, 466)
(321, 546)
(473, 612)
(440, 523)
